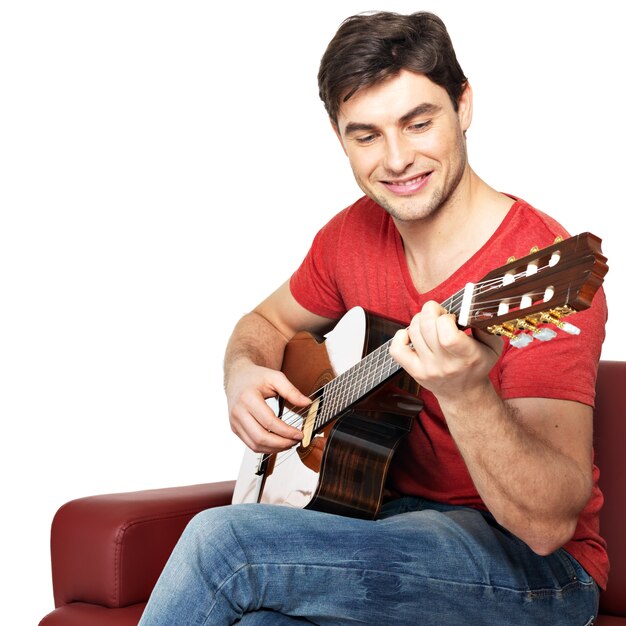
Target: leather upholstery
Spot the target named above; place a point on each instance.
(108, 550)
(610, 451)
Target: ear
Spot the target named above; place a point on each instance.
(466, 107)
(338, 135)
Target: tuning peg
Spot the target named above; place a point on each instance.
(544, 334)
(502, 330)
(517, 340)
(553, 317)
(554, 259)
(569, 328)
(521, 340)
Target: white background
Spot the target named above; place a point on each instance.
(164, 165)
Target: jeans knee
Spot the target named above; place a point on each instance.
(219, 527)
(207, 525)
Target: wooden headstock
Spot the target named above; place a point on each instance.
(518, 299)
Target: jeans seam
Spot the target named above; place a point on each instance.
(234, 573)
(545, 591)
(521, 594)
(218, 591)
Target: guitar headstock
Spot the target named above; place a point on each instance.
(520, 298)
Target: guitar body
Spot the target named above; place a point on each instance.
(342, 469)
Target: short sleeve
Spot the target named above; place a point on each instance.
(314, 283)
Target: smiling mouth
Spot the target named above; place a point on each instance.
(404, 187)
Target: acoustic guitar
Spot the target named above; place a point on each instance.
(363, 403)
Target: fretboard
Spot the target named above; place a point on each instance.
(363, 377)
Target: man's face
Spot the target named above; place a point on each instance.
(405, 143)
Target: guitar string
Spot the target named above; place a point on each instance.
(448, 304)
(292, 417)
(296, 418)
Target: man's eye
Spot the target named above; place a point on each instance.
(365, 139)
(420, 126)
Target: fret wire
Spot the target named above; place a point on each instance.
(329, 400)
(355, 381)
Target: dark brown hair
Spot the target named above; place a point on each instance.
(370, 48)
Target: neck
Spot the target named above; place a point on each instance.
(459, 228)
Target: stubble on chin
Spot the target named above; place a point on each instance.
(409, 210)
(412, 210)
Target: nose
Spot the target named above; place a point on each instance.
(399, 153)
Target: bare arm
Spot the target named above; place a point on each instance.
(530, 458)
(252, 370)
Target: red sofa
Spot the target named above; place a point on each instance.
(108, 550)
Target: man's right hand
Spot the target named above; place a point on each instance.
(251, 419)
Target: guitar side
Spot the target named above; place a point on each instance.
(343, 468)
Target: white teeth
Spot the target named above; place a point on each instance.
(406, 183)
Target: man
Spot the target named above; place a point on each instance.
(492, 512)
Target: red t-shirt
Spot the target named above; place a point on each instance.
(358, 259)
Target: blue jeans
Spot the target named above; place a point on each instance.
(421, 563)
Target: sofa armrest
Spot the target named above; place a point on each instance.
(110, 549)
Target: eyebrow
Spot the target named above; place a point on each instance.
(426, 108)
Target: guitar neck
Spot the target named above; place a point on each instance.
(363, 377)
